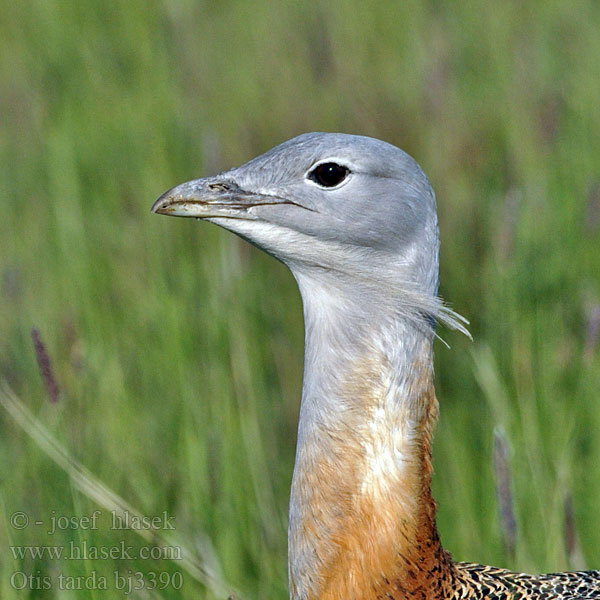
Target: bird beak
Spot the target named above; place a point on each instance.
(212, 197)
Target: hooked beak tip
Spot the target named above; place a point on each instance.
(161, 206)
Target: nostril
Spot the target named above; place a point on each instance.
(219, 186)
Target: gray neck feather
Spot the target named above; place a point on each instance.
(346, 326)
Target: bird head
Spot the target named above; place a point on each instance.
(349, 206)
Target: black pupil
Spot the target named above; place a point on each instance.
(329, 174)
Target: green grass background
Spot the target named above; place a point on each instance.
(178, 347)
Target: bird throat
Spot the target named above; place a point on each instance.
(362, 518)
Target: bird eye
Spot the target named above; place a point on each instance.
(329, 174)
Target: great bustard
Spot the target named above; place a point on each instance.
(354, 218)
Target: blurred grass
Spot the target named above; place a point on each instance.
(178, 348)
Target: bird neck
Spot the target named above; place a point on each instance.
(362, 518)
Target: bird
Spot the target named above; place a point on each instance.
(354, 218)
